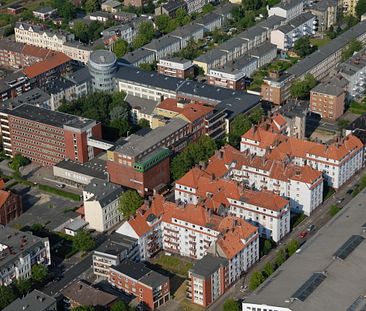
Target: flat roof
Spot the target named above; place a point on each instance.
(144, 105)
(34, 301)
(104, 192)
(344, 283)
(116, 244)
(161, 43)
(103, 57)
(34, 96)
(45, 116)
(137, 55)
(93, 168)
(58, 85)
(135, 270)
(208, 265)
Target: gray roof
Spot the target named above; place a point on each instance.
(34, 301)
(353, 65)
(94, 168)
(301, 19)
(76, 224)
(137, 55)
(328, 88)
(176, 59)
(154, 279)
(11, 80)
(145, 105)
(78, 45)
(80, 76)
(326, 51)
(104, 192)
(173, 5)
(137, 145)
(11, 45)
(58, 85)
(344, 281)
(161, 43)
(186, 31)
(116, 244)
(288, 4)
(112, 3)
(44, 10)
(252, 32)
(211, 56)
(238, 64)
(225, 9)
(208, 265)
(294, 108)
(103, 57)
(263, 49)
(208, 19)
(53, 118)
(34, 96)
(20, 243)
(232, 43)
(272, 22)
(323, 5)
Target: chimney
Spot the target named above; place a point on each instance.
(221, 154)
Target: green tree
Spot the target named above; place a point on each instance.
(81, 31)
(144, 35)
(352, 47)
(301, 88)
(334, 209)
(252, 5)
(18, 161)
(94, 30)
(129, 202)
(6, 296)
(122, 125)
(143, 123)
(360, 7)
(83, 241)
(231, 305)
(238, 127)
(273, 2)
(23, 286)
(119, 306)
(303, 47)
(162, 22)
(148, 66)
(267, 246)
(256, 115)
(292, 246)
(268, 269)
(248, 20)
(207, 8)
(83, 308)
(256, 279)
(39, 273)
(280, 257)
(91, 5)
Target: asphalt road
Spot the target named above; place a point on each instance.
(318, 218)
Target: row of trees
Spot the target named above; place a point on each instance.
(202, 150)
(300, 89)
(118, 306)
(23, 286)
(166, 24)
(258, 277)
(303, 47)
(87, 33)
(352, 47)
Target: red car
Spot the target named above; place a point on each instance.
(303, 234)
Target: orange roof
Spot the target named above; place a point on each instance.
(169, 104)
(4, 195)
(81, 210)
(37, 52)
(236, 231)
(2, 184)
(279, 120)
(192, 177)
(192, 112)
(264, 137)
(46, 65)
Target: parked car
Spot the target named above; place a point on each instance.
(340, 200)
(303, 234)
(310, 228)
(60, 185)
(349, 191)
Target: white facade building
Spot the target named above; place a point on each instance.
(288, 9)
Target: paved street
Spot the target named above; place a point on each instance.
(319, 218)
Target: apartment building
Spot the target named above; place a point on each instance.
(170, 8)
(33, 301)
(10, 206)
(13, 85)
(354, 71)
(349, 7)
(45, 13)
(111, 6)
(285, 36)
(77, 51)
(143, 162)
(338, 161)
(276, 87)
(294, 114)
(47, 137)
(163, 47)
(326, 12)
(265, 210)
(19, 251)
(187, 33)
(212, 59)
(327, 100)
(112, 252)
(176, 67)
(101, 203)
(210, 21)
(328, 56)
(288, 9)
(149, 287)
(303, 185)
(207, 280)
(195, 6)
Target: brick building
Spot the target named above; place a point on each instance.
(47, 137)
(10, 206)
(276, 87)
(149, 287)
(13, 85)
(176, 67)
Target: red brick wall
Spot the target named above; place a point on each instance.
(81, 146)
(11, 209)
(207, 294)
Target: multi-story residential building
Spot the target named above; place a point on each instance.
(123, 31)
(111, 6)
(285, 36)
(210, 21)
(320, 63)
(207, 280)
(45, 13)
(60, 89)
(212, 59)
(77, 51)
(288, 9)
(176, 67)
(10, 206)
(338, 162)
(264, 53)
(349, 7)
(327, 100)
(101, 204)
(149, 287)
(234, 48)
(268, 211)
(276, 87)
(354, 70)
(33, 301)
(139, 56)
(294, 114)
(112, 252)
(135, 3)
(34, 96)
(195, 6)
(170, 8)
(326, 13)
(303, 185)
(163, 47)
(187, 33)
(19, 252)
(47, 137)
(13, 85)
(80, 293)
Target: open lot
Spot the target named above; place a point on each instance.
(42, 208)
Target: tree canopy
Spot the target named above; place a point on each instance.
(303, 47)
(120, 47)
(83, 308)
(120, 306)
(66, 9)
(360, 7)
(39, 273)
(6, 296)
(352, 47)
(129, 202)
(256, 279)
(202, 150)
(145, 34)
(83, 241)
(87, 33)
(292, 246)
(231, 305)
(91, 5)
(300, 89)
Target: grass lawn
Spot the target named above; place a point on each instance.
(186, 305)
(358, 108)
(62, 193)
(174, 265)
(334, 209)
(296, 219)
(319, 42)
(360, 187)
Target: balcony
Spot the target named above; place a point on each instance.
(171, 242)
(169, 236)
(192, 236)
(192, 243)
(172, 230)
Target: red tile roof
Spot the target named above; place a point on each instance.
(37, 52)
(193, 112)
(4, 195)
